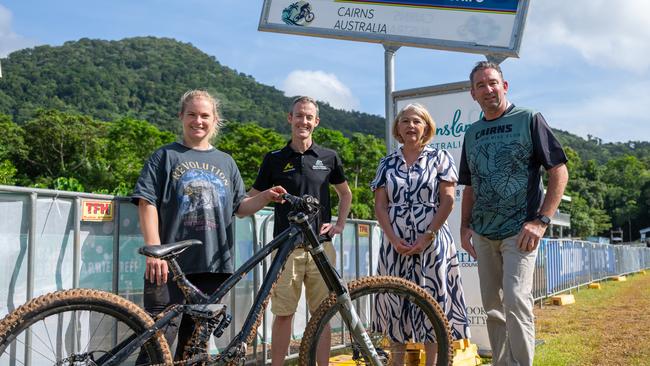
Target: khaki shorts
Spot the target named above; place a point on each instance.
(300, 268)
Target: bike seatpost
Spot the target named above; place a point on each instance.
(191, 293)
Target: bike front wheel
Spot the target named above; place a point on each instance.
(364, 294)
(77, 327)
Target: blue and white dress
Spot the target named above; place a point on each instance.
(413, 201)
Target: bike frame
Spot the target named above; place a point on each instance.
(299, 231)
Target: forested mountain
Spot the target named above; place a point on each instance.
(143, 78)
(594, 149)
(84, 117)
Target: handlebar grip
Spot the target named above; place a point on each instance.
(300, 201)
(324, 237)
(293, 200)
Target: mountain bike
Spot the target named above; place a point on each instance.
(90, 327)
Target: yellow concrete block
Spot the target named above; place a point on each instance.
(467, 355)
(460, 344)
(414, 357)
(342, 360)
(414, 346)
(563, 299)
(595, 286)
(619, 278)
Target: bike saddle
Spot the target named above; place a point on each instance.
(166, 251)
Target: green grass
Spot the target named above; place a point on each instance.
(595, 328)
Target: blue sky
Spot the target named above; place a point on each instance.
(585, 64)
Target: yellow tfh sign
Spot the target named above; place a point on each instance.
(96, 210)
(363, 230)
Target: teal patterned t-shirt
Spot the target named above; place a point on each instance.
(502, 161)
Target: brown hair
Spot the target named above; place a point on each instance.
(303, 99)
(484, 65)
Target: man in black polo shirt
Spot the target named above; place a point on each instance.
(302, 167)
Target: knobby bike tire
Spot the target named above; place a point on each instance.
(79, 318)
(374, 285)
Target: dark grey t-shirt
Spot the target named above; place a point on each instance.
(196, 194)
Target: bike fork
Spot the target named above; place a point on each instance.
(357, 330)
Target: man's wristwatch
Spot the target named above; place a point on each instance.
(432, 234)
(544, 219)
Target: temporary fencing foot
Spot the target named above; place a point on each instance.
(563, 299)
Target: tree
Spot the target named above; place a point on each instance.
(65, 145)
(626, 176)
(12, 149)
(360, 155)
(12, 140)
(247, 143)
(367, 150)
(130, 143)
(335, 140)
(7, 173)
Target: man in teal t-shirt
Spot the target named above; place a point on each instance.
(504, 210)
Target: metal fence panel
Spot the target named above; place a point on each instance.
(44, 227)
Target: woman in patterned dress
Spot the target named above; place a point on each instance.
(414, 195)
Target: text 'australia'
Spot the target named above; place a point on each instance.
(357, 26)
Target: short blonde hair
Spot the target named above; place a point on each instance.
(421, 112)
(198, 93)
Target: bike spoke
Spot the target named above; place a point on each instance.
(394, 313)
(32, 349)
(49, 338)
(106, 334)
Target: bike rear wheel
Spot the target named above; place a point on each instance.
(363, 293)
(79, 327)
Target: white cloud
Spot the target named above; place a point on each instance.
(606, 33)
(618, 115)
(321, 86)
(10, 41)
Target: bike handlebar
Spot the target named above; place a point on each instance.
(307, 204)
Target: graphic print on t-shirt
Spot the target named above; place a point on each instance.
(503, 181)
(201, 193)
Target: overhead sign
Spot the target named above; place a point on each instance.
(477, 26)
(453, 111)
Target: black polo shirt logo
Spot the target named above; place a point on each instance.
(288, 168)
(319, 165)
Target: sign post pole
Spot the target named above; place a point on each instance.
(389, 72)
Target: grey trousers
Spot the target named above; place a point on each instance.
(506, 277)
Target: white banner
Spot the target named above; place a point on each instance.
(478, 26)
(453, 110)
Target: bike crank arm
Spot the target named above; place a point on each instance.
(358, 331)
